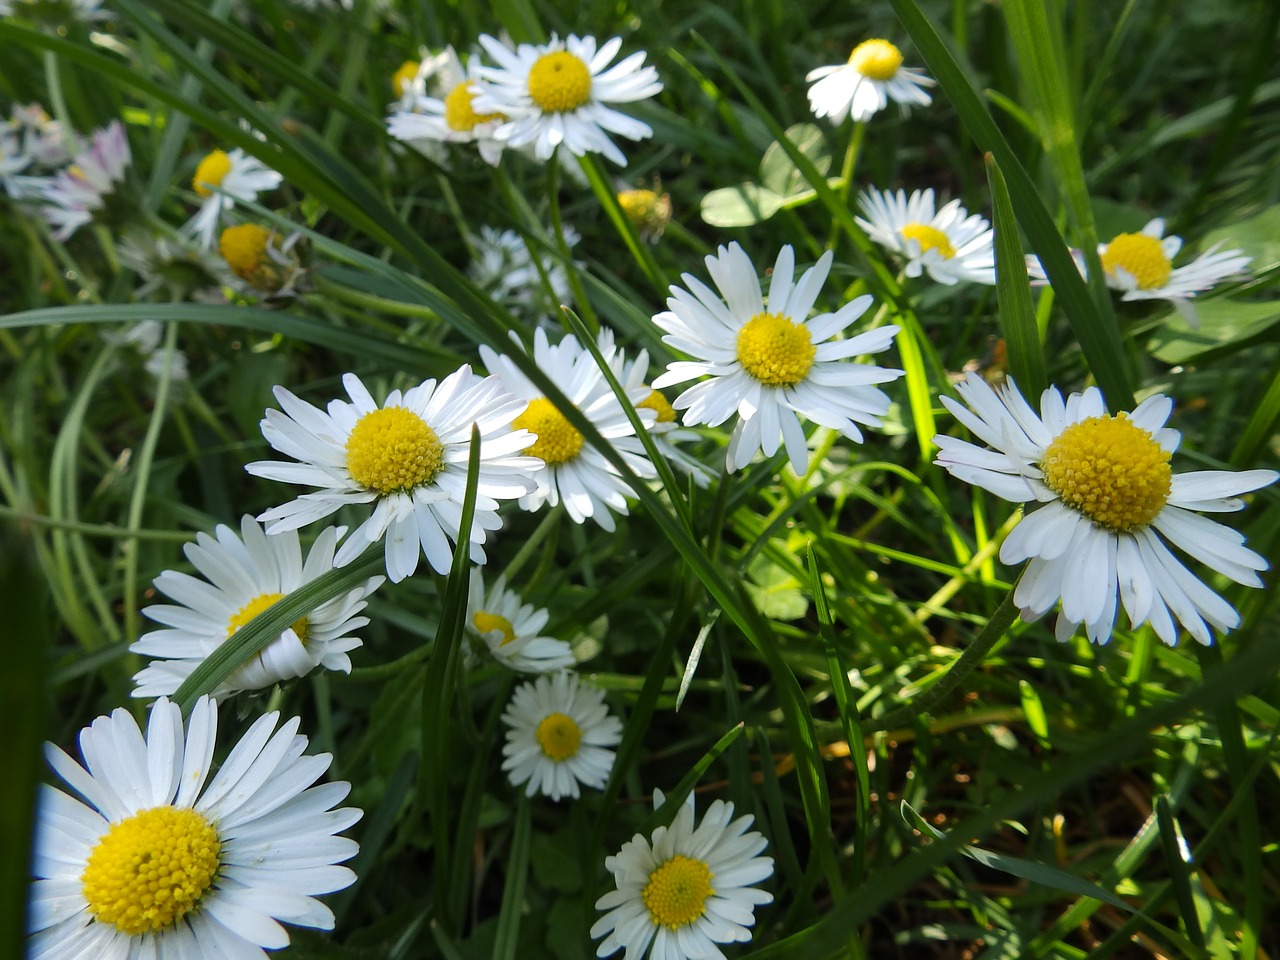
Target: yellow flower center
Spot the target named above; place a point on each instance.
(151, 869)
(558, 736)
(244, 247)
(638, 205)
(485, 622)
(458, 113)
(929, 238)
(558, 442)
(259, 604)
(403, 78)
(677, 892)
(774, 350)
(210, 172)
(559, 82)
(393, 450)
(656, 401)
(1141, 257)
(1110, 470)
(876, 59)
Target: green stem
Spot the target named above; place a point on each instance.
(846, 174)
(585, 311)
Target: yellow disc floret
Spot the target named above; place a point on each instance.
(393, 450)
(1110, 470)
(876, 59)
(485, 622)
(775, 350)
(260, 604)
(558, 442)
(402, 80)
(458, 112)
(244, 247)
(677, 892)
(151, 869)
(558, 736)
(929, 238)
(657, 402)
(559, 82)
(210, 172)
(1140, 256)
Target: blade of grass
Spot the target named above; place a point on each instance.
(1013, 291)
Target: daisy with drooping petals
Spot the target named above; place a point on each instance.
(245, 576)
(559, 93)
(74, 195)
(686, 888)
(407, 457)
(1110, 503)
(238, 176)
(267, 262)
(451, 118)
(160, 859)
(949, 243)
(509, 628)
(864, 86)
(771, 364)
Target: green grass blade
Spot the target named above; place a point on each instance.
(1172, 845)
(1013, 292)
(507, 942)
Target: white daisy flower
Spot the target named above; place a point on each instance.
(771, 364)
(864, 86)
(55, 13)
(243, 578)
(408, 458)
(44, 141)
(73, 196)
(560, 734)
(164, 860)
(238, 176)
(174, 266)
(949, 243)
(1110, 501)
(560, 92)
(505, 269)
(686, 888)
(509, 628)
(452, 117)
(576, 472)
(268, 263)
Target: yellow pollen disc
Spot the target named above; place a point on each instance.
(1141, 257)
(259, 604)
(559, 82)
(151, 869)
(458, 113)
(774, 350)
(1109, 470)
(485, 622)
(656, 401)
(929, 238)
(558, 442)
(677, 892)
(403, 78)
(558, 736)
(876, 59)
(210, 172)
(393, 450)
(244, 247)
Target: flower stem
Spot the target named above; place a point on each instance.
(846, 173)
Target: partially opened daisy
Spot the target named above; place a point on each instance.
(1110, 501)
(162, 857)
(408, 458)
(686, 888)
(864, 86)
(451, 118)
(245, 576)
(949, 243)
(770, 362)
(509, 628)
(74, 195)
(236, 176)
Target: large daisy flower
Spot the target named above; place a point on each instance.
(864, 86)
(451, 118)
(407, 457)
(245, 576)
(684, 889)
(559, 93)
(949, 243)
(73, 196)
(160, 859)
(509, 628)
(238, 176)
(1110, 501)
(771, 364)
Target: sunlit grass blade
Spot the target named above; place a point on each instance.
(1013, 292)
(1176, 853)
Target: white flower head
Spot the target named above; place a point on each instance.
(949, 243)
(73, 196)
(451, 118)
(505, 268)
(222, 178)
(175, 266)
(509, 628)
(864, 86)
(1109, 502)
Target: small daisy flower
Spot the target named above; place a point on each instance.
(144, 337)
(504, 268)
(771, 364)
(75, 194)
(243, 577)
(259, 256)
(408, 458)
(949, 243)
(509, 628)
(648, 211)
(864, 86)
(1110, 502)
(686, 888)
(559, 93)
(560, 734)
(451, 118)
(174, 266)
(238, 177)
(163, 859)
(44, 140)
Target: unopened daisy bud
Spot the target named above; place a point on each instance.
(648, 211)
(258, 257)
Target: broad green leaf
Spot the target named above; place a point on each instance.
(740, 206)
(1222, 323)
(774, 591)
(1258, 236)
(777, 171)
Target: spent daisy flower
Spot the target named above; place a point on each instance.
(649, 211)
(949, 243)
(451, 118)
(174, 266)
(1109, 502)
(684, 889)
(559, 93)
(244, 576)
(407, 457)
(264, 260)
(221, 179)
(559, 736)
(864, 85)
(163, 859)
(771, 364)
(509, 628)
(74, 195)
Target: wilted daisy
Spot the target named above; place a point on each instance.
(949, 243)
(560, 734)
(174, 266)
(771, 363)
(74, 195)
(163, 859)
(238, 176)
(1110, 501)
(407, 457)
(649, 211)
(509, 628)
(452, 117)
(686, 888)
(243, 577)
(504, 267)
(559, 92)
(262, 258)
(864, 86)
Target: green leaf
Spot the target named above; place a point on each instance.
(1258, 236)
(1013, 292)
(740, 206)
(774, 591)
(1222, 323)
(778, 171)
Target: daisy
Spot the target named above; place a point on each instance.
(407, 457)
(647, 210)
(560, 734)
(160, 859)
(74, 195)
(144, 337)
(686, 888)
(451, 118)
(243, 577)
(576, 472)
(769, 364)
(559, 93)
(509, 628)
(235, 176)
(174, 266)
(264, 260)
(864, 86)
(950, 244)
(504, 267)
(1110, 501)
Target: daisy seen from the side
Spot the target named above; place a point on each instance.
(74, 195)
(949, 243)
(509, 628)
(451, 117)
(222, 178)
(863, 86)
